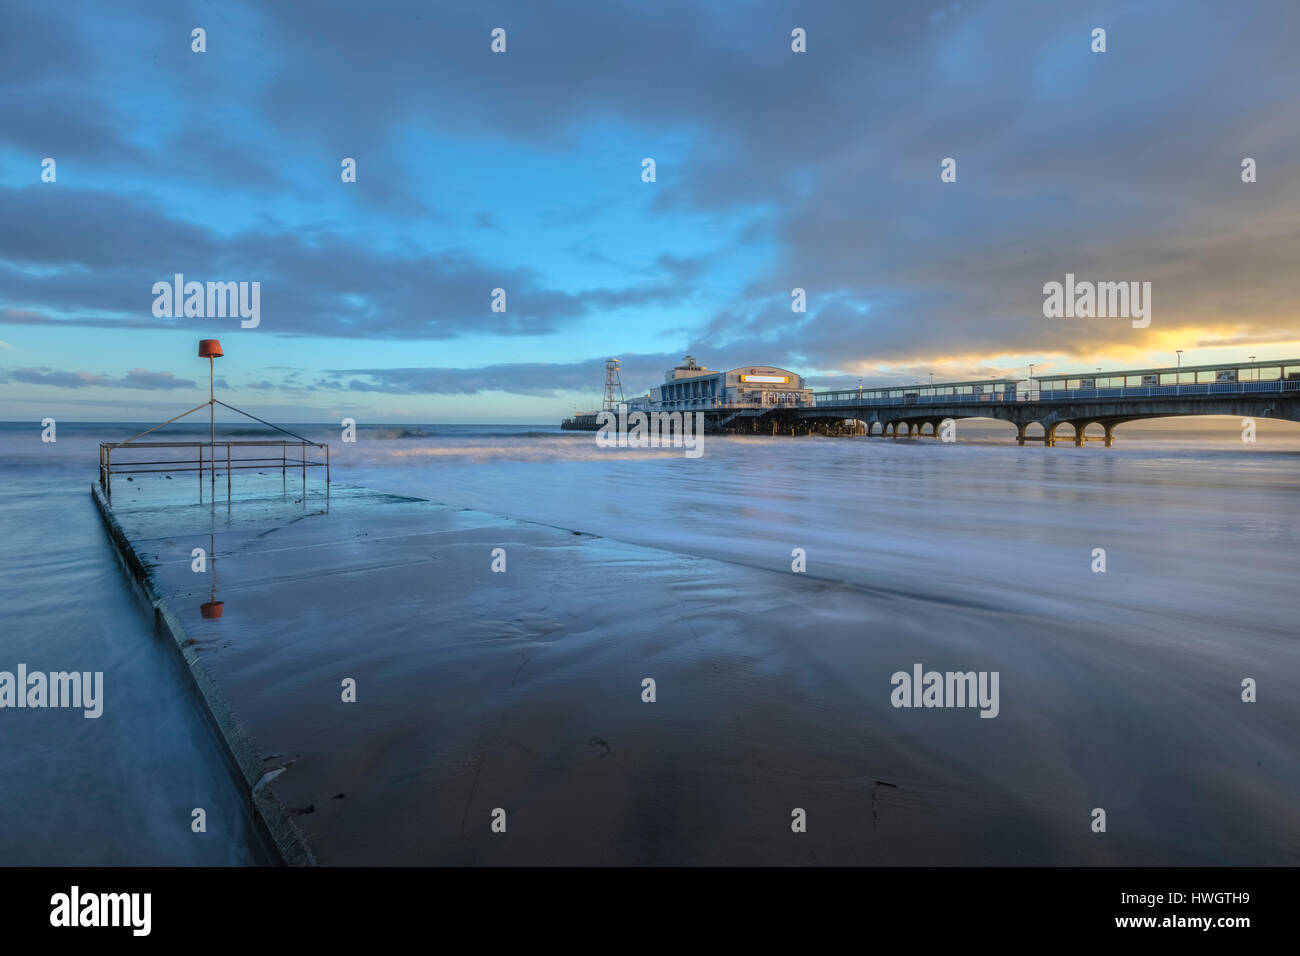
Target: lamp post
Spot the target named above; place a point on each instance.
(210, 349)
(1252, 358)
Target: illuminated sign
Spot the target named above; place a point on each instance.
(772, 379)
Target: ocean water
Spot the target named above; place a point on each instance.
(1121, 689)
(119, 789)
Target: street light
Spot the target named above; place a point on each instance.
(1180, 358)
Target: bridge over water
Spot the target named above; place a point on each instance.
(1269, 389)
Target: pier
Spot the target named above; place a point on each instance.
(1268, 389)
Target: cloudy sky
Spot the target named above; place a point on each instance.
(523, 171)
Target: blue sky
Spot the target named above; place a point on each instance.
(522, 171)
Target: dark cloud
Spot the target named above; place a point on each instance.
(524, 378)
(138, 378)
(141, 378)
(1123, 165)
(518, 379)
(47, 376)
(99, 253)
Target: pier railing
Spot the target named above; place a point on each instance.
(221, 456)
(833, 399)
(1035, 393)
(1171, 391)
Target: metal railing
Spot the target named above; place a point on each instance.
(1170, 391)
(967, 398)
(709, 404)
(1035, 393)
(1032, 392)
(299, 461)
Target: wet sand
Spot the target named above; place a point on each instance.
(523, 691)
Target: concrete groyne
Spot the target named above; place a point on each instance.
(277, 829)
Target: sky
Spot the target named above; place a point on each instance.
(522, 170)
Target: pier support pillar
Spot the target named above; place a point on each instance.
(1020, 433)
(1079, 429)
(1110, 433)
